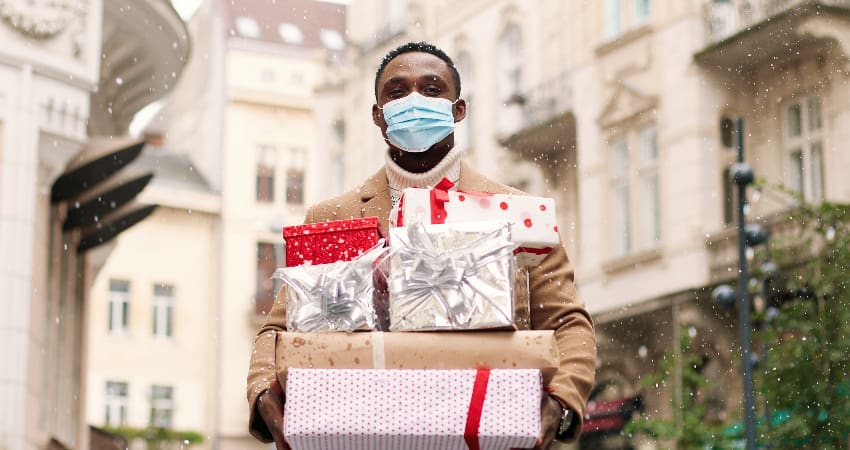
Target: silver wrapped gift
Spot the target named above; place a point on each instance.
(451, 277)
(332, 297)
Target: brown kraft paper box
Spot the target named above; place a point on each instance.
(415, 350)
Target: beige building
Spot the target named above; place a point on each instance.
(152, 316)
(72, 75)
(256, 115)
(616, 108)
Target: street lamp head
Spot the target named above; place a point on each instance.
(755, 234)
(741, 174)
(724, 295)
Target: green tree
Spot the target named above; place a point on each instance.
(804, 381)
(694, 432)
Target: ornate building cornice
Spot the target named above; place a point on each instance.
(44, 19)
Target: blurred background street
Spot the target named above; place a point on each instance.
(152, 150)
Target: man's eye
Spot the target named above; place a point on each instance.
(431, 90)
(396, 93)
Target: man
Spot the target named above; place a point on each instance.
(413, 78)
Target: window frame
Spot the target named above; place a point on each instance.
(119, 402)
(118, 309)
(162, 309)
(162, 404)
(810, 172)
(265, 173)
(295, 170)
(630, 178)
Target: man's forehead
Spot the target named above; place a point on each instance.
(415, 64)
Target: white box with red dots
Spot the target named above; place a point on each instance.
(534, 226)
(412, 409)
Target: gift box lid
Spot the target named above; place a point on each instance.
(330, 227)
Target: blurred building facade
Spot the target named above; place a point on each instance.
(619, 110)
(73, 75)
(152, 321)
(256, 114)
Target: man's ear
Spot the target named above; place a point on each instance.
(378, 117)
(459, 110)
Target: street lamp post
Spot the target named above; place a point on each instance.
(742, 175)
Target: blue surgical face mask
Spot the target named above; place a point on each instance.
(416, 122)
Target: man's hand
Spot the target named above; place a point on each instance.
(270, 407)
(550, 419)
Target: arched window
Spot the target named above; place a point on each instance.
(510, 62)
(510, 80)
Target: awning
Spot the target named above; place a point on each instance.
(107, 230)
(604, 417)
(97, 208)
(79, 179)
(99, 189)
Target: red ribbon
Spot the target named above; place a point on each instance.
(476, 406)
(533, 251)
(439, 198)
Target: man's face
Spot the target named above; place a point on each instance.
(418, 72)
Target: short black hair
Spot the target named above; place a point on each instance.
(424, 47)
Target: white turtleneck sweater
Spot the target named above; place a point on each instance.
(399, 179)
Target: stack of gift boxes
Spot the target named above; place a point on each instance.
(417, 342)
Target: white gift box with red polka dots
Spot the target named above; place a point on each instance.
(534, 225)
(378, 409)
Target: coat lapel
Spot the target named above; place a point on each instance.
(375, 199)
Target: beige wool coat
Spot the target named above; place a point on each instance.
(554, 304)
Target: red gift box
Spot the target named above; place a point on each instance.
(329, 242)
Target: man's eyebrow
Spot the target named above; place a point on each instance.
(432, 77)
(394, 80)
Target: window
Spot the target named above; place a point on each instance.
(642, 11)
(511, 59)
(613, 18)
(290, 33)
(266, 161)
(510, 81)
(163, 310)
(619, 17)
(619, 172)
(803, 144)
(269, 258)
(635, 192)
(295, 186)
(162, 406)
(115, 413)
(466, 127)
(295, 178)
(247, 27)
(119, 306)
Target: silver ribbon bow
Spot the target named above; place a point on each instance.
(331, 297)
(448, 278)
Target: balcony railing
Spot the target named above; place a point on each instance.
(538, 105)
(725, 18)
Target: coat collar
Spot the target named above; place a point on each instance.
(375, 193)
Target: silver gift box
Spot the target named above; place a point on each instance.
(332, 297)
(451, 277)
